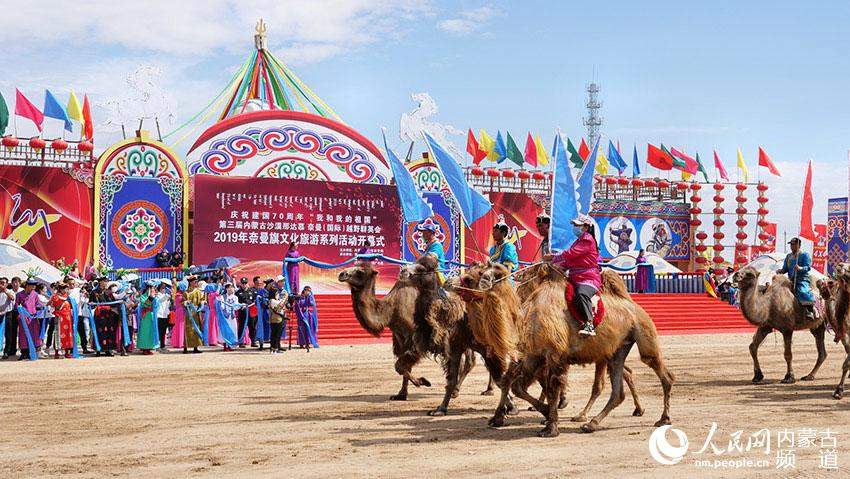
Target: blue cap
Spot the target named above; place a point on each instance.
(427, 227)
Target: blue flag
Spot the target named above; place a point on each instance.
(564, 207)
(635, 164)
(473, 205)
(413, 206)
(585, 181)
(615, 158)
(52, 109)
(500, 148)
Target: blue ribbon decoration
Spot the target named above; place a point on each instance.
(27, 317)
(191, 310)
(43, 315)
(3, 332)
(204, 315)
(125, 329)
(93, 328)
(75, 351)
(227, 334)
(261, 334)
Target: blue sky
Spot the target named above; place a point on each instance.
(720, 74)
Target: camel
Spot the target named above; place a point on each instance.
(394, 311)
(442, 329)
(776, 308)
(551, 341)
(838, 306)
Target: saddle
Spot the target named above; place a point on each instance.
(597, 306)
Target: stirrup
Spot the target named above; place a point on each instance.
(588, 329)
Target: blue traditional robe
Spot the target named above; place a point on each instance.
(505, 254)
(436, 249)
(799, 277)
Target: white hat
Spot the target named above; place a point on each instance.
(582, 219)
(279, 278)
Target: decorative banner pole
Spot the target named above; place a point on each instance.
(718, 224)
(761, 219)
(740, 247)
(700, 236)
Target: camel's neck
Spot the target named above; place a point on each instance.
(371, 312)
(753, 305)
(841, 308)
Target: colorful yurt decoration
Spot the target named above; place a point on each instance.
(141, 204)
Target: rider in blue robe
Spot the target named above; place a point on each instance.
(797, 265)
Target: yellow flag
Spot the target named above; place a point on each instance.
(542, 157)
(74, 110)
(743, 166)
(602, 164)
(487, 143)
(686, 176)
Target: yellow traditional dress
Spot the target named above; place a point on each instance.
(196, 299)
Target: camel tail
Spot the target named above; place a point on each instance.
(613, 284)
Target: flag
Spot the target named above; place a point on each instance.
(743, 166)
(615, 158)
(719, 166)
(635, 164)
(413, 206)
(513, 151)
(766, 162)
(4, 115)
(807, 230)
(488, 144)
(575, 157)
(499, 148)
(24, 108)
(564, 208)
(658, 158)
(583, 150)
(585, 181)
(769, 243)
(73, 108)
(473, 148)
(602, 164)
(701, 168)
(819, 249)
(691, 165)
(473, 205)
(530, 151)
(678, 163)
(52, 109)
(542, 157)
(88, 128)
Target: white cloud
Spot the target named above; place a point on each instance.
(468, 21)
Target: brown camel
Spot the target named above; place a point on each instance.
(442, 329)
(394, 311)
(776, 308)
(838, 307)
(552, 342)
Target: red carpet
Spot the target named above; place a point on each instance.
(672, 313)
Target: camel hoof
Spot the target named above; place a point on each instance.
(758, 378)
(455, 393)
(496, 421)
(438, 412)
(664, 421)
(788, 379)
(578, 419)
(424, 382)
(549, 431)
(592, 426)
(487, 392)
(637, 412)
(562, 404)
(839, 393)
(807, 377)
(398, 397)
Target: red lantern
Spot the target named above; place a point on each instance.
(740, 187)
(762, 199)
(524, 175)
(741, 235)
(718, 210)
(718, 235)
(695, 186)
(701, 247)
(508, 173)
(681, 186)
(538, 176)
(610, 180)
(696, 222)
(695, 199)
(695, 210)
(741, 199)
(718, 199)
(718, 260)
(650, 183)
(763, 236)
(718, 187)
(717, 247)
(761, 187)
(85, 146)
(763, 211)
(701, 259)
(10, 142)
(477, 172)
(741, 210)
(59, 145)
(741, 259)
(37, 143)
(741, 223)
(762, 223)
(637, 183)
(663, 184)
(702, 235)
(719, 222)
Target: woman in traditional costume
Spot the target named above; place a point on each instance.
(308, 321)
(105, 320)
(193, 325)
(64, 337)
(292, 268)
(178, 329)
(148, 337)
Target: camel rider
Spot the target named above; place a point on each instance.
(582, 261)
(433, 246)
(797, 265)
(503, 252)
(543, 223)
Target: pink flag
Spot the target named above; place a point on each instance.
(24, 108)
(719, 165)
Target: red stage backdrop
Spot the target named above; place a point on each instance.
(254, 219)
(47, 211)
(517, 210)
(819, 249)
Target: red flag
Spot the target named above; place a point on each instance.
(770, 237)
(807, 230)
(765, 161)
(24, 108)
(88, 128)
(530, 151)
(583, 150)
(719, 165)
(657, 158)
(691, 165)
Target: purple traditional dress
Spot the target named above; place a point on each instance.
(292, 272)
(642, 275)
(308, 320)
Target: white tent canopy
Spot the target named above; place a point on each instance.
(768, 264)
(16, 261)
(626, 260)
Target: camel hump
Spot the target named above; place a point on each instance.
(613, 284)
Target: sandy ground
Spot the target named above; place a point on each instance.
(326, 414)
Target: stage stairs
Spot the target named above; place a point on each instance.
(672, 314)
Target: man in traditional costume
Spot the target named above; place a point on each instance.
(244, 320)
(543, 224)
(797, 265)
(193, 322)
(503, 252)
(9, 316)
